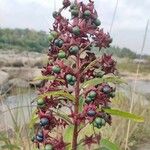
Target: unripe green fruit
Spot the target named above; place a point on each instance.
(103, 122)
(74, 12)
(88, 100)
(73, 78)
(74, 49)
(73, 6)
(48, 147)
(61, 54)
(54, 34)
(56, 69)
(92, 94)
(50, 38)
(97, 22)
(40, 102)
(76, 30)
(98, 121)
(96, 125)
(69, 77)
(87, 13)
(72, 83)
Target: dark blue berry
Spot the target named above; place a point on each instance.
(44, 121)
(91, 113)
(106, 89)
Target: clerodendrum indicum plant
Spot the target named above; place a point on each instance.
(75, 93)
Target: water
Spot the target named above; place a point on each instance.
(23, 114)
(18, 107)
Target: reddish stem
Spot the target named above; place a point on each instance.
(77, 93)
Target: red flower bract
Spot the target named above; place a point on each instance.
(70, 98)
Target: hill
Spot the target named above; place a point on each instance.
(23, 39)
(31, 40)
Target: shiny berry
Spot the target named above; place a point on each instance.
(69, 77)
(74, 49)
(88, 100)
(92, 94)
(44, 121)
(40, 103)
(72, 83)
(48, 147)
(76, 30)
(74, 12)
(56, 69)
(56, 42)
(61, 54)
(40, 134)
(97, 22)
(91, 113)
(87, 13)
(55, 14)
(73, 6)
(50, 38)
(106, 89)
(74, 78)
(98, 121)
(61, 42)
(54, 34)
(103, 122)
(97, 125)
(39, 139)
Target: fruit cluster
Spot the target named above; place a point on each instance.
(72, 62)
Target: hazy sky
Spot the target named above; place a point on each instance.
(128, 29)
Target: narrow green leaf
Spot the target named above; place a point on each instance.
(81, 103)
(68, 136)
(59, 93)
(64, 116)
(96, 81)
(108, 145)
(124, 114)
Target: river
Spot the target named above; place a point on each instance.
(21, 112)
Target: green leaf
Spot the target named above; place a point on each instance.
(81, 103)
(96, 81)
(124, 114)
(68, 135)
(59, 93)
(108, 145)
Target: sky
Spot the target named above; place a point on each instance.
(127, 31)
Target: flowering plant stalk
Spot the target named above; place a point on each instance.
(76, 92)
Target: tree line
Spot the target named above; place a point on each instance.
(31, 40)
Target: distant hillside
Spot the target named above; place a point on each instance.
(30, 40)
(23, 39)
